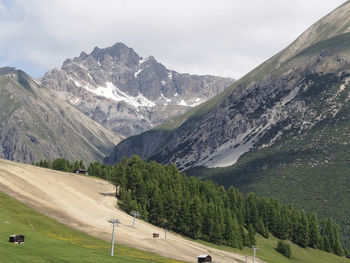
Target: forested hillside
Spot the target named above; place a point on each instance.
(206, 211)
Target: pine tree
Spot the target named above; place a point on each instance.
(252, 214)
(327, 244)
(314, 237)
(301, 235)
(251, 235)
(196, 223)
(337, 248)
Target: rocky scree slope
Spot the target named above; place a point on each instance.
(127, 93)
(35, 125)
(268, 104)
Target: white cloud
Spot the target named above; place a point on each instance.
(223, 37)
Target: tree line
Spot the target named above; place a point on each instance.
(61, 164)
(203, 210)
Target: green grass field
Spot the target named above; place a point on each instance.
(49, 241)
(268, 253)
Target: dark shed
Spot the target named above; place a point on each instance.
(16, 239)
(204, 258)
(81, 171)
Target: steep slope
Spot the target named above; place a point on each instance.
(127, 93)
(218, 132)
(34, 124)
(87, 203)
(282, 130)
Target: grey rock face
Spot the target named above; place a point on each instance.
(127, 93)
(35, 125)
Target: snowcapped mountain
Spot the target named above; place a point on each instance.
(127, 93)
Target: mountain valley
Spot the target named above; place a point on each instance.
(281, 130)
(262, 160)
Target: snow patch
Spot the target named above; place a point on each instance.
(163, 83)
(162, 97)
(192, 103)
(170, 76)
(137, 72)
(197, 101)
(83, 67)
(112, 92)
(77, 83)
(143, 60)
(182, 103)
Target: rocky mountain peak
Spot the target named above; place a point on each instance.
(83, 55)
(118, 74)
(118, 54)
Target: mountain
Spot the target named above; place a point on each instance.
(127, 93)
(218, 132)
(282, 130)
(35, 125)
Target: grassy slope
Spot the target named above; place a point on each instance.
(49, 241)
(268, 253)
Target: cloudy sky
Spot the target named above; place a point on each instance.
(220, 37)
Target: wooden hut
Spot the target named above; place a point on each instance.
(204, 258)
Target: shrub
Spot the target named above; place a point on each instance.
(284, 249)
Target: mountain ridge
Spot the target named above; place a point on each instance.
(283, 70)
(128, 93)
(34, 126)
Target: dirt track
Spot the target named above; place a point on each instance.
(87, 203)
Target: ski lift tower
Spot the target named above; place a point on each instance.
(255, 248)
(135, 214)
(113, 221)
